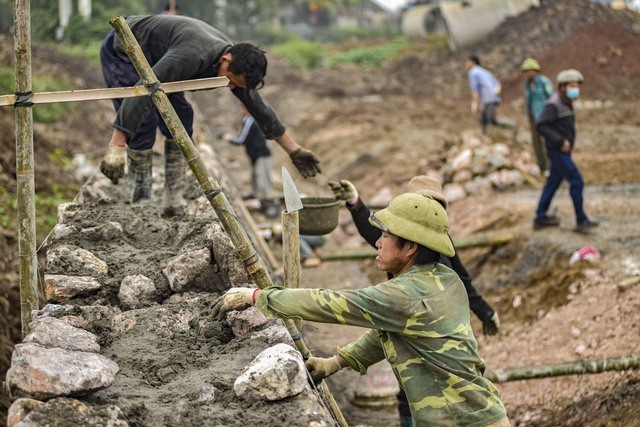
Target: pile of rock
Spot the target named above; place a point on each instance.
(477, 166)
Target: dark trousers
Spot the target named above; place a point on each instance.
(562, 167)
(119, 73)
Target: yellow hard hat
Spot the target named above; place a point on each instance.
(530, 64)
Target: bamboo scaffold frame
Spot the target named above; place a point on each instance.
(211, 189)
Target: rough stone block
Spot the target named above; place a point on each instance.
(274, 374)
(137, 291)
(60, 288)
(55, 333)
(70, 260)
(42, 373)
(181, 270)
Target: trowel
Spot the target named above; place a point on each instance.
(291, 231)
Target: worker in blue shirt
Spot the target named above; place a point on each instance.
(485, 95)
(537, 90)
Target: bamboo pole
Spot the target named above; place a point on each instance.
(470, 242)
(116, 92)
(24, 166)
(211, 189)
(576, 367)
(231, 191)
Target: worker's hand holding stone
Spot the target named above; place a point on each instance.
(320, 368)
(491, 326)
(112, 164)
(235, 299)
(345, 190)
(306, 162)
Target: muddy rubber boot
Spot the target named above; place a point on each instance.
(174, 185)
(140, 178)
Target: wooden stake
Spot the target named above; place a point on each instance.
(291, 249)
(576, 367)
(211, 189)
(24, 167)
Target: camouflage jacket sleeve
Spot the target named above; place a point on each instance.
(363, 352)
(377, 307)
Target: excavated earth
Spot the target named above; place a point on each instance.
(378, 128)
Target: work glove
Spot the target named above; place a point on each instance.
(320, 368)
(491, 325)
(112, 164)
(306, 162)
(235, 299)
(345, 190)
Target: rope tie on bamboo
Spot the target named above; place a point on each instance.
(211, 194)
(153, 87)
(250, 260)
(22, 98)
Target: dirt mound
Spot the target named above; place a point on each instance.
(607, 54)
(533, 33)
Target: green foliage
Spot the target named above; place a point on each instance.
(44, 113)
(301, 53)
(46, 208)
(90, 51)
(340, 34)
(371, 56)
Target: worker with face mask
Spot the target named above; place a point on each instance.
(557, 126)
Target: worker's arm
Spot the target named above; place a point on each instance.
(475, 97)
(304, 160)
(360, 214)
(382, 307)
(477, 304)
(242, 136)
(363, 352)
(546, 127)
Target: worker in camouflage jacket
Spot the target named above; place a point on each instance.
(418, 320)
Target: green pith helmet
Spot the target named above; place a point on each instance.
(417, 218)
(530, 64)
(569, 76)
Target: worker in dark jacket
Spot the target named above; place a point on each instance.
(182, 48)
(557, 125)
(345, 190)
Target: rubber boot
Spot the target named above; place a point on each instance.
(140, 178)
(174, 185)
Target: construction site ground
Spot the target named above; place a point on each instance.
(378, 128)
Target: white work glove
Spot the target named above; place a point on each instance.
(345, 190)
(474, 107)
(235, 299)
(112, 164)
(320, 368)
(491, 326)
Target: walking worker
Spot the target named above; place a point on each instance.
(418, 320)
(260, 156)
(557, 126)
(181, 48)
(485, 95)
(537, 90)
(428, 186)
